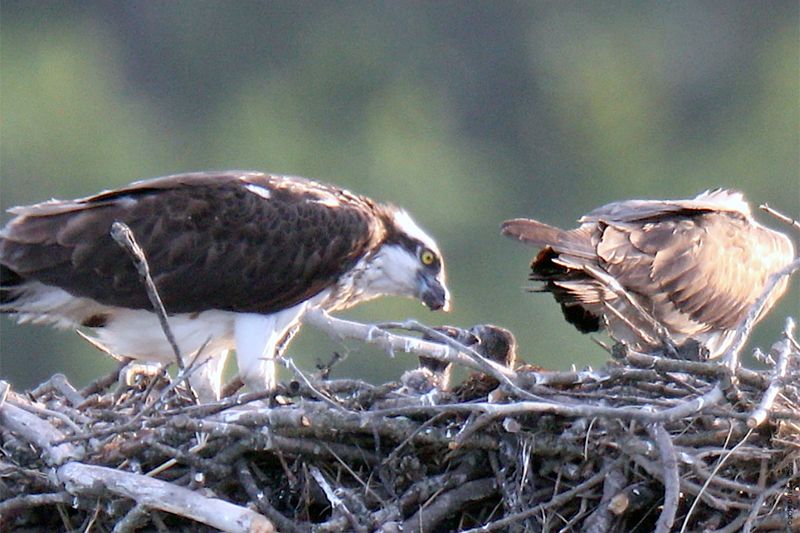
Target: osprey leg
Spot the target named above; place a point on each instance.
(257, 340)
(206, 377)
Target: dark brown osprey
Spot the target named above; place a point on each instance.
(237, 257)
(696, 266)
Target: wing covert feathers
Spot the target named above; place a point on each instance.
(696, 265)
(234, 241)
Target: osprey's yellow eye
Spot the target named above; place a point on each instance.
(427, 257)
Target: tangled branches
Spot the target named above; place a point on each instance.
(644, 444)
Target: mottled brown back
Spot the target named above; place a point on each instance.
(211, 242)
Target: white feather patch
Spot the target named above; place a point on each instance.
(328, 201)
(259, 190)
(408, 226)
(137, 334)
(393, 271)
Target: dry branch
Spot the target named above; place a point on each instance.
(125, 238)
(81, 479)
(646, 444)
(784, 349)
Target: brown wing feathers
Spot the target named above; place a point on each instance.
(698, 264)
(211, 243)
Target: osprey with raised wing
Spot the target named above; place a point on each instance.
(237, 258)
(693, 266)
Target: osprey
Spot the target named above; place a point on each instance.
(495, 343)
(434, 373)
(695, 266)
(237, 258)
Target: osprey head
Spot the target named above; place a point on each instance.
(408, 263)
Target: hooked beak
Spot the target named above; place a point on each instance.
(433, 293)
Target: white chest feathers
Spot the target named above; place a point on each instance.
(391, 271)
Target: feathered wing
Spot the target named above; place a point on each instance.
(708, 269)
(717, 200)
(289, 244)
(696, 265)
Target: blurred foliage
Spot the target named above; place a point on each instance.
(465, 113)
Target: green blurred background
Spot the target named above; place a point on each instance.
(465, 113)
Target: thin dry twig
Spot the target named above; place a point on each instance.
(780, 216)
(705, 486)
(554, 502)
(783, 351)
(614, 286)
(572, 410)
(26, 501)
(601, 519)
(671, 478)
(40, 433)
(373, 334)
(123, 235)
(448, 502)
(758, 505)
(731, 355)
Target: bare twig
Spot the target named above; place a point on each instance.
(572, 410)
(783, 349)
(38, 432)
(33, 408)
(87, 479)
(601, 519)
(333, 499)
(103, 382)
(671, 478)
(614, 286)
(124, 236)
(777, 488)
(642, 334)
(59, 382)
(731, 355)
(780, 216)
(498, 371)
(134, 520)
(24, 501)
(319, 394)
(554, 502)
(447, 503)
(719, 464)
(257, 495)
(707, 369)
(373, 334)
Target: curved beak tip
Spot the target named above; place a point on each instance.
(436, 297)
(437, 304)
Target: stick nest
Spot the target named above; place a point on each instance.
(644, 444)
